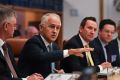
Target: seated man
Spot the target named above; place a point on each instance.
(40, 53)
(8, 69)
(114, 45)
(101, 45)
(87, 30)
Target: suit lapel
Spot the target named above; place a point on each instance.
(79, 41)
(1, 56)
(101, 49)
(80, 45)
(42, 43)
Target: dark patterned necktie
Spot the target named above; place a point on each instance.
(107, 54)
(53, 63)
(7, 58)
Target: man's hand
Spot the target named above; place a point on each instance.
(79, 51)
(106, 65)
(35, 76)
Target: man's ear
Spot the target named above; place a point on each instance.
(80, 29)
(5, 25)
(40, 27)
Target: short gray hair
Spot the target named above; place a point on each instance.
(6, 14)
(46, 16)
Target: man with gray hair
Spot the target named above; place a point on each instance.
(40, 52)
(8, 70)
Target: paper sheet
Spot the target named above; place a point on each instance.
(62, 77)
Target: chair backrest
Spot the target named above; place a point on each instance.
(17, 45)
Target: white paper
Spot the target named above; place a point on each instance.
(106, 71)
(61, 76)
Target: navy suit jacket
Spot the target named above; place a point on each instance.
(35, 58)
(98, 50)
(5, 73)
(75, 63)
(115, 52)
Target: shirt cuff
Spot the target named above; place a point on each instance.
(101, 68)
(65, 53)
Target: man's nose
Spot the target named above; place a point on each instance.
(55, 30)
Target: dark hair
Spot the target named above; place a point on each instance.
(106, 21)
(83, 22)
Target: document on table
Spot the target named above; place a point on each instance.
(62, 77)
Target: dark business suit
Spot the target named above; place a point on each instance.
(5, 73)
(113, 45)
(36, 58)
(98, 50)
(75, 63)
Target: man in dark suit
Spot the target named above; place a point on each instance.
(101, 43)
(114, 45)
(86, 34)
(8, 70)
(37, 56)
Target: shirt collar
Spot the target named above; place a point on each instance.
(83, 41)
(103, 44)
(1, 42)
(45, 42)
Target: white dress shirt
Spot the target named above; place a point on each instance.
(83, 41)
(1, 44)
(105, 52)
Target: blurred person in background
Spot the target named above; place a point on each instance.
(31, 31)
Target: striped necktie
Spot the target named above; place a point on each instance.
(89, 57)
(7, 58)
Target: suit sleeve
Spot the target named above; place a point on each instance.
(39, 53)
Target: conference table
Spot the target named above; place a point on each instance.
(77, 76)
(108, 74)
(110, 77)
